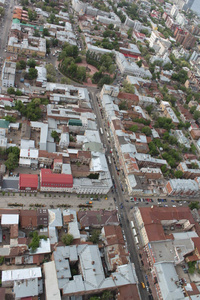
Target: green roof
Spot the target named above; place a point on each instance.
(4, 123)
(16, 21)
(40, 28)
(75, 122)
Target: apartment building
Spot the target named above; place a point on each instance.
(8, 74)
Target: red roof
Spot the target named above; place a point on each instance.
(28, 181)
(6, 98)
(152, 218)
(47, 177)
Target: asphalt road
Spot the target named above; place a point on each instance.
(120, 199)
(5, 24)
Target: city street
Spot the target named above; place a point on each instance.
(5, 28)
(120, 201)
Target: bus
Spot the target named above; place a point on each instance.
(101, 130)
(136, 240)
(134, 232)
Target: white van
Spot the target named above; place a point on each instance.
(132, 224)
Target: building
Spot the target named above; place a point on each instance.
(181, 138)
(91, 277)
(97, 219)
(8, 74)
(168, 112)
(28, 182)
(151, 222)
(25, 282)
(51, 283)
(130, 68)
(55, 182)
(182, 187)
(116, 253)
(188, 4)
(189, 41)
(28, 219)
(190, 169)
(29, 45)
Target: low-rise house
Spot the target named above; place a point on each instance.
(97, 219)
(28, 182)
(116, 253)
(26, 282)
(50, 181)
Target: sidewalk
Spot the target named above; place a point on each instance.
(148, 276)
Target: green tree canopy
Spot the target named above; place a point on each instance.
(146, 130)
(95, 236)
(194, 205)
(31, 63)
(128, 87)
(178, 174)
(67, 239)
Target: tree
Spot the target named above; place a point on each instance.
(11, 90)
(149, 109)
(111, 26)
(196, 115)
(12, 162)
(130, 32)
(54, 42)
(123, 106)
(139, 63)
(46, 32)
(168, 67)
(107, 295)
(67, 239)
(10, 119)
(31, 63)
(194, 205)
(2, 11)
(55, 135)
(95, 236)
(178, 174)
(128, 87)
(35, 242)
(32, 15)
(22, 64)
(133, 128)
(36, 33)
(146, 130)
(32, 73)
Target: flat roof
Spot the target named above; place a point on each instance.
(19, 274)
(9, 219)
(51, 282)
